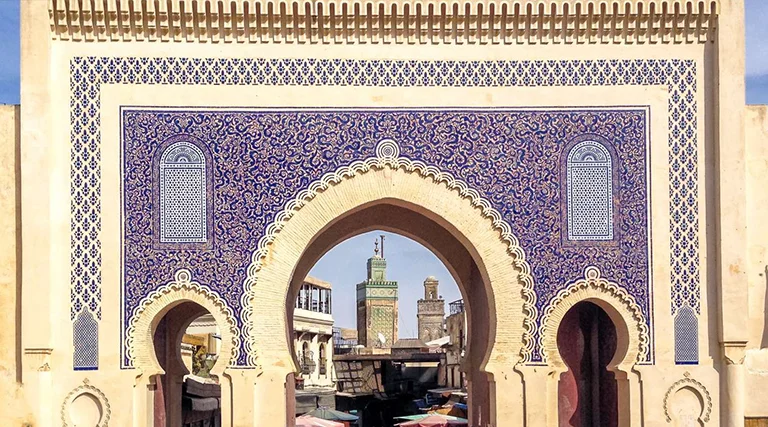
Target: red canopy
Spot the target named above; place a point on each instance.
(434, 420)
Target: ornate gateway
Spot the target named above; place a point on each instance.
(582, 167)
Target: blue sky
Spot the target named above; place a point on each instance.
(409, 262)
(757, 51)
(9, 52)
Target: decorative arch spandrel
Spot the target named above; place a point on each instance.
(632, 330)
(391, 176)
(140, 334)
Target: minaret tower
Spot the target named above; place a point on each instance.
(377, 304)
(431, 312)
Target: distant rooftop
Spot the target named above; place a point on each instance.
(409, 343)
(314, 281)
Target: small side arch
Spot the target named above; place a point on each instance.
(140, 334)
(694, 387)
(632, 331)
(99, 405)
(632, 339)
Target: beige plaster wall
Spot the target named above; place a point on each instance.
(756, 360)
(315, 379)
(662, 373)
(13, 408)
(756, 130)
(49, 234)
(315, 329)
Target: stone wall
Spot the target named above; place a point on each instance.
(756, 360)
(687, 75)
(12, 405)
(430, 314)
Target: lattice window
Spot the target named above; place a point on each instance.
(590, 192)
(686, 336)
(183, 210)
(86, 342)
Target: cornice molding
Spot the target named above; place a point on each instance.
(386, 21)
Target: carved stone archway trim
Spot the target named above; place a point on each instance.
(457, 196)
(632, 339)
(632, 330)
(140, 334)
(86, 388)
(687, 381)
(389, 178)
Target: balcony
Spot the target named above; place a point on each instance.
(456, 307)
(307, 363)
(307, 367)
(314, 296)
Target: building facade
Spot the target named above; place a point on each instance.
(202, 341)
(456, 326)
(177, 158)
(430, 312)
(313, 333)
(377, 313)
(314, 346)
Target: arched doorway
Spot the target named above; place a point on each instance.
(386, 294)
(587, 393)
(395, 194)
(155, 335)
(625, 340)
(186, 345)
(406, 220)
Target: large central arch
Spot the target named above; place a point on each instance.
(429, 206)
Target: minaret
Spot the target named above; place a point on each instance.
(377, 312)
(431, 312)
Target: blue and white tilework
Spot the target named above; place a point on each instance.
(86, 342)
(512, 157)
(88, 73)
(687, 334)
(182, 193)
(589, 192)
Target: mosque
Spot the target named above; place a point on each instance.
(587, 170)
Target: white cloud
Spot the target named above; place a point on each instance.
(757, 37)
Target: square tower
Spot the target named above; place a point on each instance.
(377, 313)
(431, 312)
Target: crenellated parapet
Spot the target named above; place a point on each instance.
(388, 21)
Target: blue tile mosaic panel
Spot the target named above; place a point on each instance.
(87, 74)
(262, 159)
(687, 337)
